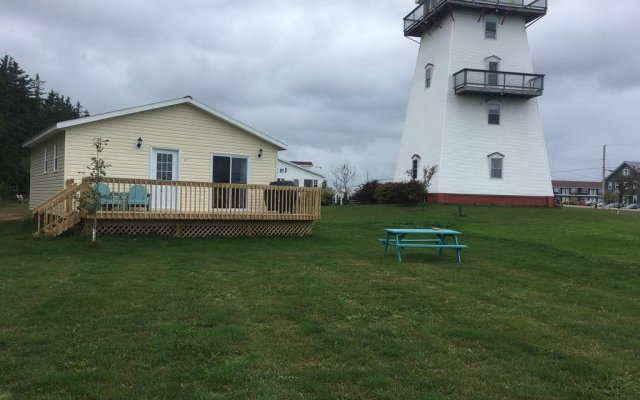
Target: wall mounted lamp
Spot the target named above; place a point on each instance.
(260, 153)
(139, 142)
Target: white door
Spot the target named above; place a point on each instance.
(164, 166)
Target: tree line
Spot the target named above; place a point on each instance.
(25, 110)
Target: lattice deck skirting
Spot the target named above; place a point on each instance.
(191, 228)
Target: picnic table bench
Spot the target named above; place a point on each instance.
(396, 237)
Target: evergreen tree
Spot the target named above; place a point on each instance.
(24, 112)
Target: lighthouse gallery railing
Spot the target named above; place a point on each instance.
(424, 10)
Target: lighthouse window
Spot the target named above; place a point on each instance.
(427, 75)
(493, 111)
(415, 164)
(496, 168)
(491, 29)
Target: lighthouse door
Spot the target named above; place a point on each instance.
(492, 79)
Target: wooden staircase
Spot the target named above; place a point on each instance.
(58, 214)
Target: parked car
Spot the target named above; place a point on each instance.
(634, 206)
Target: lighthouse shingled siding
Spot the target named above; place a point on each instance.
(452, 131)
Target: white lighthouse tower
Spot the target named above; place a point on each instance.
(472, 110)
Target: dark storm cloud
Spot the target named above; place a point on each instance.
(330, 78)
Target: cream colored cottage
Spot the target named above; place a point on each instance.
(178, 154)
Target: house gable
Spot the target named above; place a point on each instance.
(194, 133)
(154, 106)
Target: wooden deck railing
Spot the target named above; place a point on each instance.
(60, 212)
(122, 198)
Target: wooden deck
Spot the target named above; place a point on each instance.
(184, 208)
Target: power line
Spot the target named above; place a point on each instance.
(573, 173)
(575, 170)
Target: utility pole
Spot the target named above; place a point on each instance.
(604, 158)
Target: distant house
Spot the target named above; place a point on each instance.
(299, 172)
(177, 167)
(577, 192)
(627, 173)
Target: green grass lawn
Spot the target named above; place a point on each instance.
(545, 305)
(14, 207)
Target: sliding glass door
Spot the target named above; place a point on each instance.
(229, 169)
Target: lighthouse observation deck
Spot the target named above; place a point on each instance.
(514, 84)
(430, 11)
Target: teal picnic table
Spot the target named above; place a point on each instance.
(432, 238)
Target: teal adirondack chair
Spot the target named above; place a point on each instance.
(138, 197)
(108, 199)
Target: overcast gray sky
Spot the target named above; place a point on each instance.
(331, 78)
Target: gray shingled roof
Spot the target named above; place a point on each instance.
(577, 184)
(634, 164)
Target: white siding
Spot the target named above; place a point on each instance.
(293, 172)
(43, 186)
(452, 130)
(424, 122)
(196, 134)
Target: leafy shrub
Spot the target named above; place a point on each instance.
(366, 193)
(385, 193)
(410, 192)
(327, 196)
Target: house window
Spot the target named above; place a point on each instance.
(610, 186)
(491, 28)
(55, 157)
(493, 113)
(296, 182)
(310, 183)
(626, 172)
(46, 161)
(164, 166)
(617, 185)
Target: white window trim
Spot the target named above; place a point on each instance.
(626, 172)
(491, 103)
(244, 156)
(178, 161)
(248, 158)
(414, 171)
(496, 156)
(45, 165)
(55, 157)
(491, 18)
(491, 59)
(428, 76)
